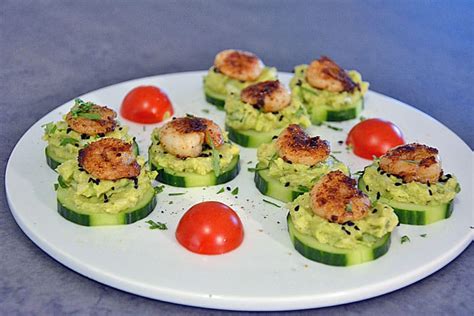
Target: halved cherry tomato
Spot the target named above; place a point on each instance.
(146, 104)
(374, 137)
(210, 228)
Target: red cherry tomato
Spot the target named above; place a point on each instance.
(146, 104)
(210, 228)
(374, 137)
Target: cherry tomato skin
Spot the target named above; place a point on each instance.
(374, 137)
(146, 104)
(210, 228)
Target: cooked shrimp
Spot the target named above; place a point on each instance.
(336, 198)
(104, 123)
(185, 136)
(295, 146)
(109, 159)
(270, 96)
(327, 75)
(413, 162)
(240, 65)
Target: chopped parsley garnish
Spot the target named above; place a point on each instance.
(68, 140)
(270, 202)
(220, 191)
(249, 162)
(349, 208)
(205, 111)
(83, 109)
(335, 128)
(423, 235)
(159, 189)
(404, 239)
(177, 193)
(215, 155)
(49, 128)
(235, 191)
(156, 225)
(336, 152)
(257, 169)
(362, 118)
(56, 186)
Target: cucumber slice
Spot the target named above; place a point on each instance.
(310, 248)
(251, 138)
(324, 113)
(272, 187)
(96, 218)
(187, 179)
(215, 99)
(54, 161)
(414, 214)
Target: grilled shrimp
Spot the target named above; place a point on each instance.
(413, 162)
(185, 136)
(109, 159)
(106, 123)
(237, 64)
(295, 146)
(270, 96)
(326, 74)
(336, 198)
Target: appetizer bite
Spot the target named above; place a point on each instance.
(192, 151)
(105, 185)
(410, 179)
(260, 112)
(336, 224)
(291, 164)
(85, 123)
(233, 70)
(328, 91)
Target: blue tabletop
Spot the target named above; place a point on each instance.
(50, 52)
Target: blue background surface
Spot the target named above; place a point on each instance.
(50, 51)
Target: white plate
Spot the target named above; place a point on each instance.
(265, 272)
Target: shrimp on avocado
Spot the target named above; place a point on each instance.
(327, 75)
(413, 162)
(109, 159)
(336, 198)
(238, 64)
(270, 96)
(295, 146)
(185, 137)
(91, 119)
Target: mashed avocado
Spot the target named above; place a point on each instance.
(295, 175)
(313, 97)
(88, 194)
(65, 143)
(392, 188)
(201, 165)
(362, 232)
(243, 116)
(219, 84)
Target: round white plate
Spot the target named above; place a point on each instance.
(265, 272)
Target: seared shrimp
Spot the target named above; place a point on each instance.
(185, 136)
(109, 159)
(294, 145)
(413, 162)
(327, 75)
(336, 198)
(270, 96)
(240, 65)
(82, 123)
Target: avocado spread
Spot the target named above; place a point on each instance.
(219, 84)
(201, 165)
(243, 116)
(313, 97)
(89, 195)
(365, 231)
(393, 188)
(295, 175)
(65, 143)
